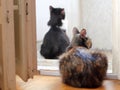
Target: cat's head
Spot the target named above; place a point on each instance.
(56, 15)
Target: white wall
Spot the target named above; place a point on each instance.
(97, 19)
(72, 9)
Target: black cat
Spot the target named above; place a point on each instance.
(55, 41)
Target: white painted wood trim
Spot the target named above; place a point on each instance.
(54, 71)
(112, 76)
(116, 37)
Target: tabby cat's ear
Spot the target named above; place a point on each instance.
(50, 7)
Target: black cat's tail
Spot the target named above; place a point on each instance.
(48, 52)
(44, 52)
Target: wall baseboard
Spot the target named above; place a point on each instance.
(54, 71)
(111, 76)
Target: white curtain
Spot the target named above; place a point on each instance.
(116, 37)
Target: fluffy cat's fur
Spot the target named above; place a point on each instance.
(80, 67)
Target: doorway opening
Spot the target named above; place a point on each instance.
(95, 16)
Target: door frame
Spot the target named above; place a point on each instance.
(27, 65)
(7, 48)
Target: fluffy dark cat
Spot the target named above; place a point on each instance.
(80, 67)
(55, 41)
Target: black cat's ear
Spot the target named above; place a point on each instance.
(50, 7)
(63, 12)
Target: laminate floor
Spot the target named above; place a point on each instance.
(54, 83)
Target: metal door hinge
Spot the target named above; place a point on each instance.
(7, 17)
(27, 9)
